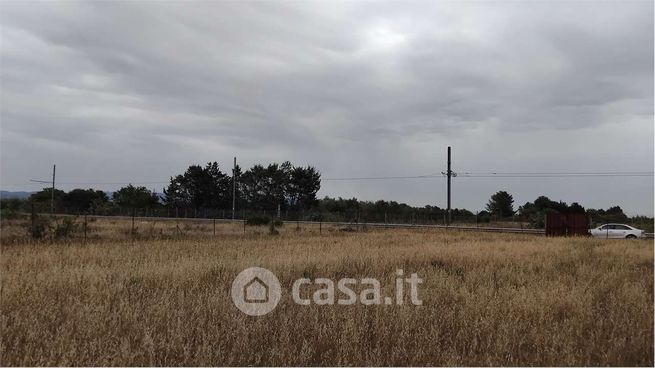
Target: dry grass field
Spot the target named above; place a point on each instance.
(163, 299)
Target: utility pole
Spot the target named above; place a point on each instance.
(234, 187)
(449, 173)
(52, 195)
(52, 189)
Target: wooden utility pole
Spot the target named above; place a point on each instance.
(234, 187)
(449, 173)
(52, 195)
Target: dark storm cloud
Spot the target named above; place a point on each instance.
(137, 91)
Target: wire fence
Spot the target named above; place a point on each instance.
(366, 217)
(417, 216)
(162, 222)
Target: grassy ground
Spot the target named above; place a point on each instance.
(163, 299)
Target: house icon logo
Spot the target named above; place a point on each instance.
(256, 291)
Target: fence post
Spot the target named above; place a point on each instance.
(320, 225)
(214, 227)
(85, 227)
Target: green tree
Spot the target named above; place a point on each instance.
(253, 186)
(303, 185)
(84, 199)
(501, 204)
(575, 207)
(536, 212)
(612, 214)
(200, 187)
(10, 207)
(42, 199)
(175, 195)
(135, 197)
(266, 188)
(340, 209)
(45, 195)
(260, 187)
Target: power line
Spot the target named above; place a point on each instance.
(507, 175)
(466, 174)
(556, 175)
(561, 173)
(384, 177)
(101, 183)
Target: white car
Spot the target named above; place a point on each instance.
(616, 231)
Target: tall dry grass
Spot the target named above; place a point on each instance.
(488, 299)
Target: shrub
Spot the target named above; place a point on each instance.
(8, 214)
(10, 208)
(65, 229)
(39, 227)
(260, 220)
(272, 230)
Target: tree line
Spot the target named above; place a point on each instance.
(502, 205)
(266, 188)
(291, 192)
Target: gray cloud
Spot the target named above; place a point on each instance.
(127, 91)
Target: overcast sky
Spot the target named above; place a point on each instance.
(135, 92)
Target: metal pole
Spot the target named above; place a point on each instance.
(449, 174)
(234, 187)
(52, 195)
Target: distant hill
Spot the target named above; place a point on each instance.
(4, 194)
